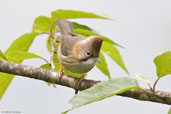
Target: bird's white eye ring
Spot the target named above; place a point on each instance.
(88, 53)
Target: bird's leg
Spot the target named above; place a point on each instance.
(78, 81)
(60, 72)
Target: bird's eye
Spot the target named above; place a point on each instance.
(88, 53)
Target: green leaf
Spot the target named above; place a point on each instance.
(102, 65)
(70, 14)
(169, 111)
(2, 56)
(163, 64)
(143, 78)
(80, 26)
(48, 46)
(88, 33)
(55, 59)
(103, 90)
(5, 80)
(21, 44)
(48, 83)
(113, 52)
(46, 66)
(67, 72)
(21, 55)
(43, 24)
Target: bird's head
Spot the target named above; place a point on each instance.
(88, 48)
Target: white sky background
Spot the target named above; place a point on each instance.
(143, 27)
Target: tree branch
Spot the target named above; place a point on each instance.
(51, 76)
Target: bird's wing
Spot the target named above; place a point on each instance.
(68, 37)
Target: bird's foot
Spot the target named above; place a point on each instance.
(78, 81)
(60, 74)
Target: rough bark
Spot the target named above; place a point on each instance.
(51, 76)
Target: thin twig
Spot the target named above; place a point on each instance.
(53, 48)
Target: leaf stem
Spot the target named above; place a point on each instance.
(45, 60)
(150, 86)
(51, 27)
(155, 83)
(44, 33)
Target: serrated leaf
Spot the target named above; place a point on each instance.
(2, 56)
(102, 65)
(103, 90)
(21, 55)
(113, 52)
(43, 24)
(143, 78)
(88, 33)
(163, 64)
(21, 44)
(71, 14)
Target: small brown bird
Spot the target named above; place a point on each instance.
(77, 53)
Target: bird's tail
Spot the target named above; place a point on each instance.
(64, 26)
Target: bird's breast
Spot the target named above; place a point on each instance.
(81, 66)
(74, 65)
